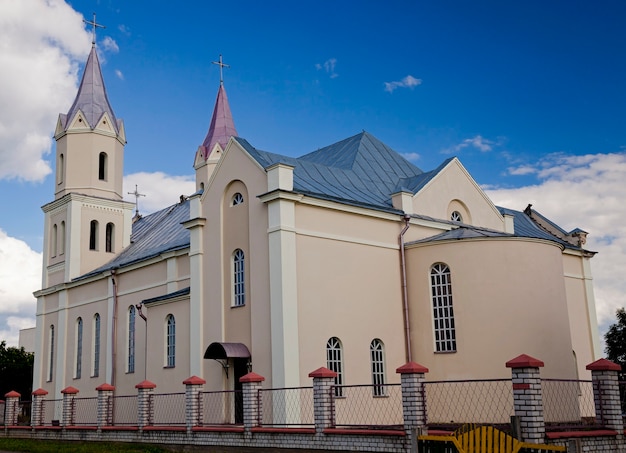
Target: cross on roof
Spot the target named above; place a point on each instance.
(137, 195)
(222, 66)
(95, 25)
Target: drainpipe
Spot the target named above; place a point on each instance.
(405, 297)
(114, 327)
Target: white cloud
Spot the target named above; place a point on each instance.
(20, 268)
(119, 74)
(411, 156)
(42, 44)
(160, 190)
(478, 142)
(587, 192)
(110, 45)
(407, 82)
(329, 67)
(124, 29)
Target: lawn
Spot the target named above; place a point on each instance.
(41, 446)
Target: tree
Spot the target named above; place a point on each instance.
(16, 371)
(615, 340)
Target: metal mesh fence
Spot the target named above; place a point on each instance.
(218, 408)
(124, 410)
(168, 409)
(52, 411)
(368, 406)
(287, 406)
(85, 411)
(453, 403)
(2, 407)
(567, 403)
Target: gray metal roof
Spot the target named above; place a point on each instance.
(91, 98)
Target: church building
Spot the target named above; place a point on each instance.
(348, 257)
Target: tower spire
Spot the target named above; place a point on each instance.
(222, 66)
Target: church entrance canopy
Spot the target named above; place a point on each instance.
(224, 351)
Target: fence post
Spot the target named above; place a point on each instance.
(105, 405)
(69, 409)
(36, 413)
(252, 406)
(323, 401)
(11, 408)
(605, 377)
(194, 411)
(145, 408)
(412, 377)
(527, 397)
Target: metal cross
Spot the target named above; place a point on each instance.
(137, 195)
(222, 66)
(95, 25)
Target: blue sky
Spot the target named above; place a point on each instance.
(529, 95)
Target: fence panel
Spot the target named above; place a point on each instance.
(368, 406)
(287, 406)
(567, 403)
(124, 410)
(454, 403)
(218, 408)
(85, 411)
(2, 407)
(169, 408)
(52, 411)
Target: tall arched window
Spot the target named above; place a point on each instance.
(53, 241)
(102, 167)
(93, 235)
(79, 348)
(60, 169)
(51, 354)
(239, 286)
(334, 362)
(443, 313)
(130, 367)
(109, 236)
(170, 344)
(62, 239)
(377, 358)
(96, 345)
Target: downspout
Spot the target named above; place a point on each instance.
(114, 328)
(405, 297)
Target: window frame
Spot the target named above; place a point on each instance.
(239, 278)
(102, 166)
(78, 361)
(93, 235)
(334, 362)
(444, 325)
(97, 324)
(130, 350)
(109, 237)
(377, 362)
(237, 199)
(170, 341)
(51, 353)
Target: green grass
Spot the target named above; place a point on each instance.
(44, 446)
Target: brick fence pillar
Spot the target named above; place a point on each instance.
(323, 400)
(252, 405)
(145, 406)
(69, 408)
(605, 377)
(11, 408)
(412, 377)
(527, 397)
(36, 413)
(194, 411)
(105, 405)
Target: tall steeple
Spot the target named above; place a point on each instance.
(222, 126)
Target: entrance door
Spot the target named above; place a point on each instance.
(241, 369)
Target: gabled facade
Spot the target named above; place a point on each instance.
(349, 257)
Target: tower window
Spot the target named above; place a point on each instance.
(62, 239)
(102, 167)
(93, 235)
(53, 241)
(60, 169)
(110, 230)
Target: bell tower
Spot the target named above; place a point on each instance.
(88, 222)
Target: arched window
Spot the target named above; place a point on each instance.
(456, 216)
(62, 239)
(377, 357)
(60, 169)
(102, 167)
(334, 362)
(170, 344)
(96, 345)
(443, 313)
(51, 354)
(237, 199)
(93, 235)
(109, 236)
(130, 367)
(53, 241)
(79, 348)
(239, 285)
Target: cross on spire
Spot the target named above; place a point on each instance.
(222, 66)
(137, 195)
(95, 25)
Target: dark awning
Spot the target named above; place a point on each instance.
(223, 351)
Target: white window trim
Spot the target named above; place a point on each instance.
(334, 362)
(238, 273)
(442, 308)
(377, 362)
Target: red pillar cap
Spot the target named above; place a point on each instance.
(251, 377)
(105, 387)
(12, 394)
(411, 367)
(323, 372)
(524, 361)
(146, 385)
(70, 390)
(194, 380)
(40, 392)
(603, 365)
